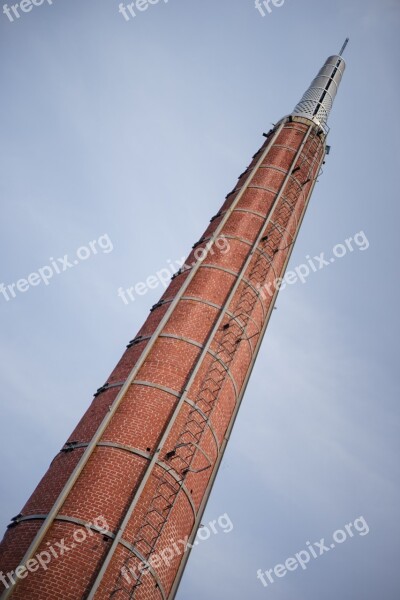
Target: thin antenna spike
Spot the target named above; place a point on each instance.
(344, 46)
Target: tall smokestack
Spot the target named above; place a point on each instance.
(135, 475)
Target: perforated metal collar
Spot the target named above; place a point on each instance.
(317, 102)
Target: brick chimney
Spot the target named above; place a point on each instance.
(135, 475)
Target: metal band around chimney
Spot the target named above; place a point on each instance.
(103, 425)
(239, 279)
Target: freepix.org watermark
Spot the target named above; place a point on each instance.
(16, 10)
(303, 557)
(130, 11)
(56, 267)
(54, 551)
(314, 264)
(265, 5)
(177, 548)
(163, 276)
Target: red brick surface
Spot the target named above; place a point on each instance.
(111, 476)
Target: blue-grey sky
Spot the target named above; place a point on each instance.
(136, 130)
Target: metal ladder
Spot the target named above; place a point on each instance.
(180, 458)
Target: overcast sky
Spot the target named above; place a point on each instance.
(136, 130)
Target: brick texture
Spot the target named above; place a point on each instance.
(191, 358)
